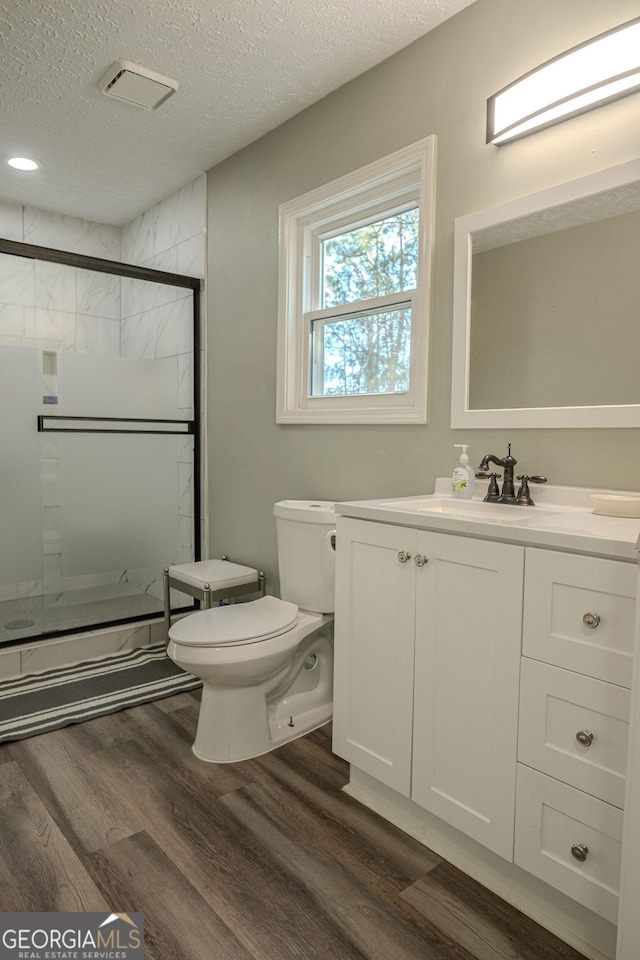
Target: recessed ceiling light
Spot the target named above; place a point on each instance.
(22, 163)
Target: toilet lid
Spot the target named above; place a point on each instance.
(235, 623)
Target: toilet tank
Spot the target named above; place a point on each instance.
(306, 554)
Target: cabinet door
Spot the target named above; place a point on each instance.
(468, 639)
(373, 666)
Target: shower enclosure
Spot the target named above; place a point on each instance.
(99, 428)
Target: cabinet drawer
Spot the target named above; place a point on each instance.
(551, 819)
(574, 728)
(579, 613)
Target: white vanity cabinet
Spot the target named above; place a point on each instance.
(486, 682)
(427, 658)
(578, 635)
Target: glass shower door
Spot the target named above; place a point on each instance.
(119, 518)
(120, 431)
(21, 560)
(98, 425)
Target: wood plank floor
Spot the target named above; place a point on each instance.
(261, 860)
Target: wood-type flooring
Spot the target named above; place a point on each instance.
(262, 860)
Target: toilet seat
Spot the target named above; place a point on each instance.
(236, 624)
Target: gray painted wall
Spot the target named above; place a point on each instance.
(438, 85)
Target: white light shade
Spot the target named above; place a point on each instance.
(592, 73)
(22, 163)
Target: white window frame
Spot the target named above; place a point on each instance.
(398, 182)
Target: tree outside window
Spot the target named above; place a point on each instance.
(370, 353)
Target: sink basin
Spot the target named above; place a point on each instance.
(469, 509)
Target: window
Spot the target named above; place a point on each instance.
(354, 295)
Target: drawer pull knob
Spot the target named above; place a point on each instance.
(579, 852)
(403, 556)
(591, 620)
(421, 560)
(584, 737)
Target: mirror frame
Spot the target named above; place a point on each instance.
(545, 201)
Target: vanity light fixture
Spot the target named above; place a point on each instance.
(595, 72)
(22, 163)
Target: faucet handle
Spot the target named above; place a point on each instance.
(523, 496)
(493, 493)
(527, 479)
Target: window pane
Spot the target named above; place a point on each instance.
(360, 355)
(372, 261)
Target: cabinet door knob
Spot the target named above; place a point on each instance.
(403, 556)
(591, 620)
(584, 737)
(420, 560)
(579, 852)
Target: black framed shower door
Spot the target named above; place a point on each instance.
(100, 426)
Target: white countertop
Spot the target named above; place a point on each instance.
(566, 520)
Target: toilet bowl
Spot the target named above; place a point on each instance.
(267, 665)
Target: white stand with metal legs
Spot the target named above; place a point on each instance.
(210, 581)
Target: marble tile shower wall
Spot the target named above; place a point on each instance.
(156, 323)
(51, 307)
(57, 309)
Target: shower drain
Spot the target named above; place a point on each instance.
(19, 624)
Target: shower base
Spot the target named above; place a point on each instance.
(29, 617)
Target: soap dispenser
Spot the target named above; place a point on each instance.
(463, 477)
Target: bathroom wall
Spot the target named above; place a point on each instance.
(438, 85)
(55, 308)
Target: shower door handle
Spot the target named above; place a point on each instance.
(49, 423)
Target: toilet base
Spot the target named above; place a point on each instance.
(240, 723)
(302, 725)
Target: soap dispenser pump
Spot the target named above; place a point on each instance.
(463, 477)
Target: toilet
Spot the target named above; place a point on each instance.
(267, 665)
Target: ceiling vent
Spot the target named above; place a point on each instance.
(135, 84)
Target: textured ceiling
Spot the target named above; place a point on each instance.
(244, 67)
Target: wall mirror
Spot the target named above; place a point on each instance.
(546, 328)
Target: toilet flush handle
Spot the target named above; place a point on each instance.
(331, 540)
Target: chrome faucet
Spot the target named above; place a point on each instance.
(508, 494)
